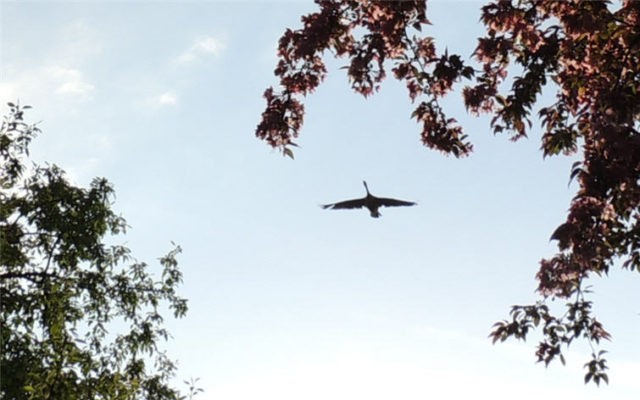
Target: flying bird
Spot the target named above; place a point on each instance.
(369, 201)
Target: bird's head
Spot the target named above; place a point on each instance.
(365, 186)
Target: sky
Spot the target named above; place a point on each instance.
(287, 300)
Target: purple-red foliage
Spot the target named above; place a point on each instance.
(592, 54)
(390, 29)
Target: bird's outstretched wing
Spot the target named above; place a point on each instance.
(356, 203)
(394, 203)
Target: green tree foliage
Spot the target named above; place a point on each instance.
(590, 50)
(64, 290)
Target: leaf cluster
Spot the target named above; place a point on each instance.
(390, 28)
(63, 289)
(588, 50)
(558, 332)
(591, 53)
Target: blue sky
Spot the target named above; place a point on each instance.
(288, 300)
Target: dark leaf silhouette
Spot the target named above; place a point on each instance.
(588, 49)
(79, 318)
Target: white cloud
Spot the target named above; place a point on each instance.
(165, 99)
(63, 72)
(70, 81)
(37, 85)
(75, 87)
(423, 363)
(207, 45)
(366, 376)
(9, 91)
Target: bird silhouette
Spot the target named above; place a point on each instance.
(369, 201)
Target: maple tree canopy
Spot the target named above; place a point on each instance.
(589, 50)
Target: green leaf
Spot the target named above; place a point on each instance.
(81, 281)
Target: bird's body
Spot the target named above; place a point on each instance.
(370, 201)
